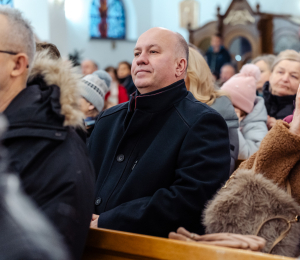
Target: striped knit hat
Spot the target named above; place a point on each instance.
(95, 90)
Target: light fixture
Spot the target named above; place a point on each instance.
(238, 57)
(73, 10)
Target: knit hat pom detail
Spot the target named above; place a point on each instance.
(250, 70)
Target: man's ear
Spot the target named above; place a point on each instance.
(181, 67)
(21, 64)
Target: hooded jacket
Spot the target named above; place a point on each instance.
(47, 153)
(278, 107)
(253, 129)
(158, 158)
(225, 108)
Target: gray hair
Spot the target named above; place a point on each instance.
(268, 59)
(20, 37)
(183, 47)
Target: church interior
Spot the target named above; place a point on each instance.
(149, 129)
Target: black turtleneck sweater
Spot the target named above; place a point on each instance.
(277, 106)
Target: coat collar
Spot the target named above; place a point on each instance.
(158, 100)
(280, 100)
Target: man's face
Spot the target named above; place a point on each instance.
(285, 78)
(216, 42)
(226, 73)
(154, 63)
(88, 67)
(5, 59)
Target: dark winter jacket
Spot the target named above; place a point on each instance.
(159, 159)
(47, 153)
(217, 60)
(127, 82)
(278, 107)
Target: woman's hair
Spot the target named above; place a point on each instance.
(200, 79)
(113, 70)
(286, 55)
(126, 63)
(268, 59)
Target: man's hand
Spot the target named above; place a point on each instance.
(295, 124)
(271, 122)
(94, 221)
(253, 243)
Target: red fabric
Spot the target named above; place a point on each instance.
(123, 96)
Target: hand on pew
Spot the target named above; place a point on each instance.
(248, 242)
(94, 221)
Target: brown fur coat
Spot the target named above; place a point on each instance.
(258, 192)
(246, 203)
(278, 158)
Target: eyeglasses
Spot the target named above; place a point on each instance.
(12, 53)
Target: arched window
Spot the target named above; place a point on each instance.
(7, 2)
(107, 19)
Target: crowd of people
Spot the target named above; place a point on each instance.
(149, 147)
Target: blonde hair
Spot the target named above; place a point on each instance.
(200, 79)
(286, 55)
(268, 59)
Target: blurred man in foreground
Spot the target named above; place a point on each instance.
(43, 145)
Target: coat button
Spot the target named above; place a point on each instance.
(120, 158)
(98, 201)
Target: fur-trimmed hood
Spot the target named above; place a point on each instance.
(61, 73)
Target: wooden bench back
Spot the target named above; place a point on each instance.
(115, 245)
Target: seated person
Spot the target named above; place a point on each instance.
(264, 63)
(92, 100)
(43, 146)
(125, 78)
(199, 81)
(88, 67)
(117, 93)
(280, 91)
(250, 109)
(160, 157)
(227, 71)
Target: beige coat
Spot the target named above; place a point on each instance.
(278, 158)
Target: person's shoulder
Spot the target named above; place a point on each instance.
(115, 109)
(191, 110)
(225, 108)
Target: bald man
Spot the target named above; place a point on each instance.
(161, 156)
(88, 67)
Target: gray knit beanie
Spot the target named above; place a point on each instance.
(102, 74)
(95, 90)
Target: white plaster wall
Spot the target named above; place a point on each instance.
(37, 12)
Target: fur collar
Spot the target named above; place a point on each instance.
(61, 73)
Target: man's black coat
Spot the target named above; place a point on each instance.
(159, 158)
(52, 162)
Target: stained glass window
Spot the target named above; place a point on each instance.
(108, 19)
(7, 2)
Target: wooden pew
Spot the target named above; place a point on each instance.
(115, 245)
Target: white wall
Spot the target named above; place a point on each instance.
(37, 12)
